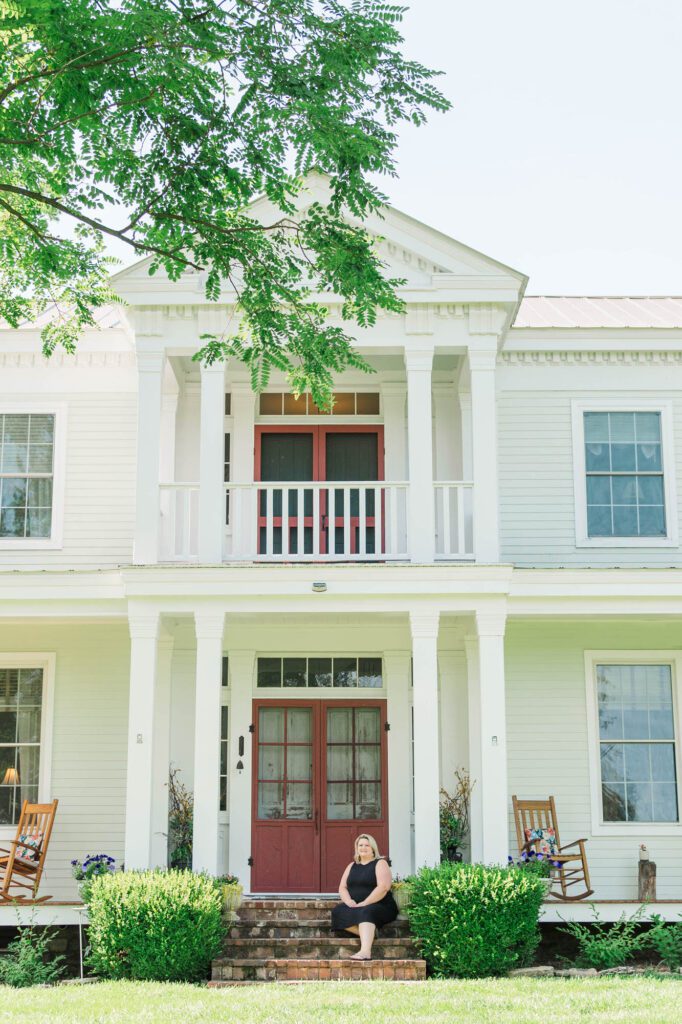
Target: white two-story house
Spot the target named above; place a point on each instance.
(473, 561)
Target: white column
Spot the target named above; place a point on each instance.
(393, 399)
(211, 460)
(397, 666)
(162, 718)
(475, 770)
(240, 719)
(243, 459)
(421, 518)
(209, 628)
(467, 459)
(493, 732)
(144, 626)
(150, 365)
(424, 627)
(482, 361)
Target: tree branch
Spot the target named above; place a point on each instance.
(77, 215)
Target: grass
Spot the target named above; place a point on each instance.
(635, 1000)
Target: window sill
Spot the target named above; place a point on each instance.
(30, 544)
(626, 542)
(637, 829)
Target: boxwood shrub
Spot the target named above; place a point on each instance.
(474, 921)
(155, 925)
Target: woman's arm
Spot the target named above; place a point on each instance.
(343, 890)
(384, 880)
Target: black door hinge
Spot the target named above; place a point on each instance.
(252, 728)
(250, 862)
(387, 727)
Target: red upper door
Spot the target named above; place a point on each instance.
(342, 517)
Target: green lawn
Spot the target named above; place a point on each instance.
(561, 1001)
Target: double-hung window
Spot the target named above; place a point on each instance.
(624, 486)
(24, 757)
(635, 743)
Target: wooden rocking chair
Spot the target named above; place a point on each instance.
(23, 863)
(541, 814)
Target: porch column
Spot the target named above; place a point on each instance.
(243, 458)
(162, 718)
(424, 627)
(482, 362)
(475, 769)
(421, 504)
(494, 842)
(150, 366)
(211, 461)
(209, 628)
(144, 627)
(397, 666)
(239, 784)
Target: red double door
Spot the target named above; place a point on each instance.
(319, 780)
(324, 454)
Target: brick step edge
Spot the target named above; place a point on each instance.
(320, 970)
(306, 930)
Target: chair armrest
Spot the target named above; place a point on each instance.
(576, 842)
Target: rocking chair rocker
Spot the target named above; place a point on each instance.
(21, 867)
(535, 817)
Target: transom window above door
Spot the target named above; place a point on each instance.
(346, 403)
(341, 672)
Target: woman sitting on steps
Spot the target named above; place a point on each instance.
(366, 899)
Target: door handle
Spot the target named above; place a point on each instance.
(317, 821)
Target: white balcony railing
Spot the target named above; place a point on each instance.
(319, 521)
(454, 520)
(316, 521)
(179, 503)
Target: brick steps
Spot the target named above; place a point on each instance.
(291, 940)
(310, 928)
(327, 948)
(317, 970)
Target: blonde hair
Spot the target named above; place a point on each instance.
(372, 842)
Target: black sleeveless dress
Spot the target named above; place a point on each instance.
(362, 880)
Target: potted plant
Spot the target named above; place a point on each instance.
(233, 891)
(536, 864)
(180, 822)
(92, 867)
(401, 892)
(454, 816)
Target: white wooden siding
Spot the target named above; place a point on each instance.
(547, 742)
(89, 740)
(537, 509)
(99, 493)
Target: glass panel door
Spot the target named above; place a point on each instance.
(285, 763)
(354, 764)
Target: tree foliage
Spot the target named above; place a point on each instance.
(157, 123)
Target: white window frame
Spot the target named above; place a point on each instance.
(319, 692)
(620, 657)
(48, 663)
(59, 411)
(582, 540)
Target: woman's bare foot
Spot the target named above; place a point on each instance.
(360, 956)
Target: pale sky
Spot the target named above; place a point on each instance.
(562, 155)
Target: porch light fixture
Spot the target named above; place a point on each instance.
(11, 777)
(319, 588)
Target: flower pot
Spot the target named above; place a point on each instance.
(232, 898)
(453, 853)
(401, 895)
(548, 883)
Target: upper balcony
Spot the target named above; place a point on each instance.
(225, 475)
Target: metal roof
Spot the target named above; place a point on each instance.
(600, 311)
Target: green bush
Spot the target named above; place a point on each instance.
(26, 961)
(155, 925)
(607, 944)
(473, 921)
(666, 940)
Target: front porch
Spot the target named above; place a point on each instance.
(506, 696)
